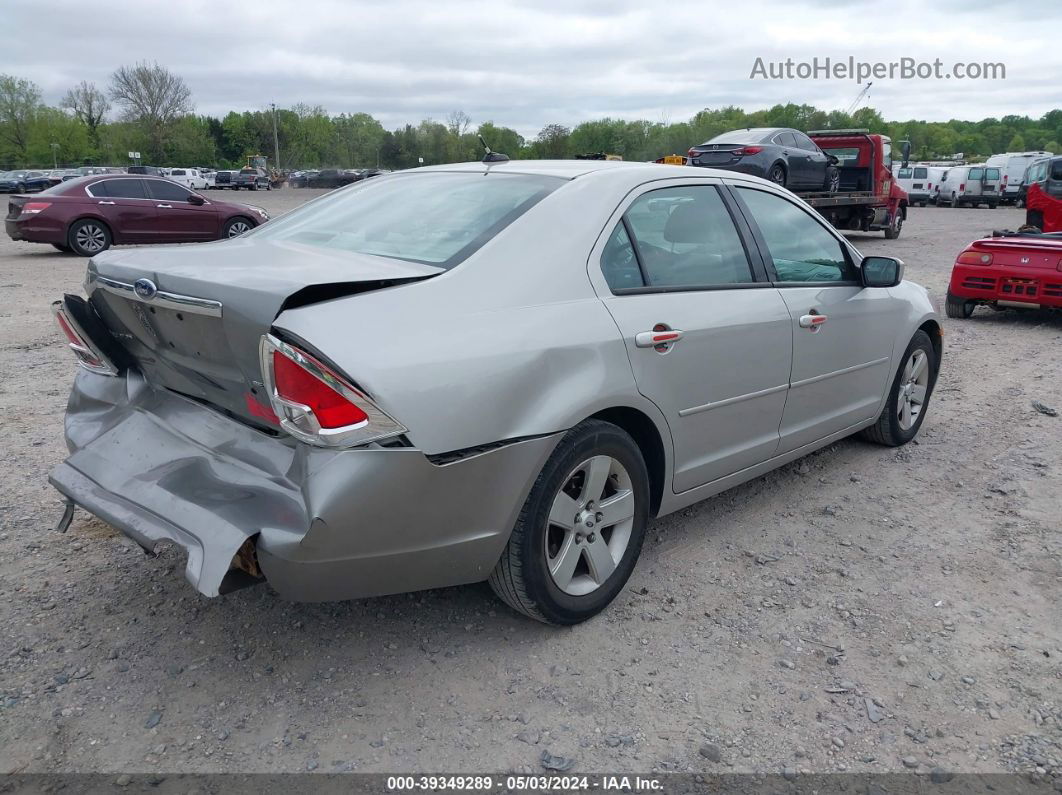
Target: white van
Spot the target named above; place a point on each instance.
(1012, 166)
(189, 177)
(920, 182)
(970, 185)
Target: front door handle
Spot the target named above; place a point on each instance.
(812, 321)
(655, 338)
(166, 206)
(104, 202)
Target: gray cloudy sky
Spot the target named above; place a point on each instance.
(524, 64)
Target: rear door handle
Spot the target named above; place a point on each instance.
(104, 202)
(167, 206)
(812, 321)
(651, 339)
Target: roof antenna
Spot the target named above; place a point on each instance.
(490, 156)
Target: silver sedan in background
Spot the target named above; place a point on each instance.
(488, 371)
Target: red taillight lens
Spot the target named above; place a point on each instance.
(962, 186)
(693, 153)
(315, 403)
(975, 258)
(32, 208)
(748, 150)
(87, 355)
(298, 385)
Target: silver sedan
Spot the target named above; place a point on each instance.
(492, 371)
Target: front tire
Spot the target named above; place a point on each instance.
(235, 227)
(833, 180)
(89, 237)
(958, 308)
(908, 400)
(581, 529)
(892, 231)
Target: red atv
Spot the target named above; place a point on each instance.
(1009, 270)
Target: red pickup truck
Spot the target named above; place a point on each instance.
(868, 198)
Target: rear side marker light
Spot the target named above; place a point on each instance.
(86, 353)
(975, 258)
(32, 208)
(317, 405)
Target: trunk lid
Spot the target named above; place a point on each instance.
(191, 317)
(1024, 252)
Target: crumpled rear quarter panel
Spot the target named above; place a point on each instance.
(330, 524)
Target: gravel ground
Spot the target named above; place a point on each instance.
(862, 609)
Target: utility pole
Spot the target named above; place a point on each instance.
(55, 156)
(276, 139)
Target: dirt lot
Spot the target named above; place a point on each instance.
(862, 609)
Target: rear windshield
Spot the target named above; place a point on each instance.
(177, 172)
(433, 218)
(755, 135)
(845, 155)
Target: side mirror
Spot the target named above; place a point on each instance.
(881, 271)
(195, 198)
(832, 160)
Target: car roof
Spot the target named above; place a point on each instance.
(565, 169)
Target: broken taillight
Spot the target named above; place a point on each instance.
(88, 356)
(317, 405)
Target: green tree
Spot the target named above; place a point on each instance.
(153, 97)
(19, 101)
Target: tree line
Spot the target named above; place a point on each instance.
(149, 109)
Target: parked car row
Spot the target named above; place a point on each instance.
(331, 177)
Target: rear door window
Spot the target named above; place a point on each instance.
(991, 173)
(678, 238)
(120, 189)
(904, 173)
(920, 173)
(976, 173)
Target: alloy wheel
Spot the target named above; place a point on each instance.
(91, 238)
(914, 387)
(237, 228)
(589, 525)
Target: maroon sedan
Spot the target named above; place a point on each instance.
(90, 214)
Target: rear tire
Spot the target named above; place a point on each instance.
(777, 174)
(958, 308)
(531, 575)
(889, 430)
(89, 237)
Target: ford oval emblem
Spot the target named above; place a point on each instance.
(145, 288)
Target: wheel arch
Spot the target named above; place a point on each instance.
(647, 436)
(936, 336)
(91, 217)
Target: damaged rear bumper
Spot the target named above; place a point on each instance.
(326, 524)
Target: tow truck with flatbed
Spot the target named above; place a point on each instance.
(868, 198)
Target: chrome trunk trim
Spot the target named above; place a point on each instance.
(183, 303)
